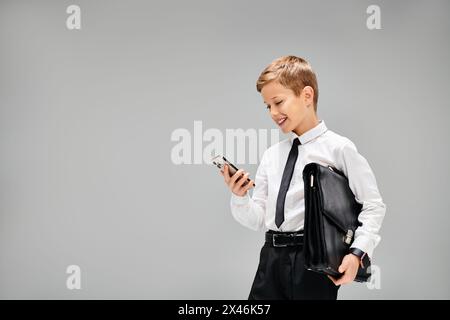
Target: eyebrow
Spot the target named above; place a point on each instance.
(270, 99)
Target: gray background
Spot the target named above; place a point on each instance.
(86, 120)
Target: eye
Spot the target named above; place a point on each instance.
(268, 106)
(277, 103)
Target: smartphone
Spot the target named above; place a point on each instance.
(220, 161)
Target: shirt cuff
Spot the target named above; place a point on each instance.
(238, 200)
(365, 244)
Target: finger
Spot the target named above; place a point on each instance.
(239, 184)
(342, 280)
(242, 180)
(248, 186)
(236, 176)
(224, 169)
(339, 281)
(333, 279)
(226, 174)
(343, 266)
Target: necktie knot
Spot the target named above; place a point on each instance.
(296, 142)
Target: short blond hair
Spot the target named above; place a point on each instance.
(293, 73)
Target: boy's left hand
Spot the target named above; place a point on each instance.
(349, 267)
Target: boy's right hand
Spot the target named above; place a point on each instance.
(235, 182)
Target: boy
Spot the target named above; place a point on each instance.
(290, 91)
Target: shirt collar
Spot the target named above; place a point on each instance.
(312, 133)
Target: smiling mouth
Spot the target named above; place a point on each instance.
(281, 121)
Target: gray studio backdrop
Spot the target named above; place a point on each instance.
(87, 115)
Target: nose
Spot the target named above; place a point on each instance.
(273, 112)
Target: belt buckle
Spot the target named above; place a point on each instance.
(277, 245)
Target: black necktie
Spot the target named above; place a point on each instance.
(286, 181)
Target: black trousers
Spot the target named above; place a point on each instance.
(281, 275)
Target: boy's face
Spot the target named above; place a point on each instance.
(286, 109)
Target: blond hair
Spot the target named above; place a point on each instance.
(293, 73)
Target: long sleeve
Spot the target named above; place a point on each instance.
(250, 211)
(364, 186)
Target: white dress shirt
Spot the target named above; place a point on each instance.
(325, 147)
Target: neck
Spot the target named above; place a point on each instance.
(307, 124)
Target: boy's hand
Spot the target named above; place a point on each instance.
(349, 267)
(237, 186)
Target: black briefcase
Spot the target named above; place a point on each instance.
(331, 218)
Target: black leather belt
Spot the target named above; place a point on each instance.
(284, 239)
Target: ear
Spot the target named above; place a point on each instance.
(308, 93)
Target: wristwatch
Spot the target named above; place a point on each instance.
(363, 257)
